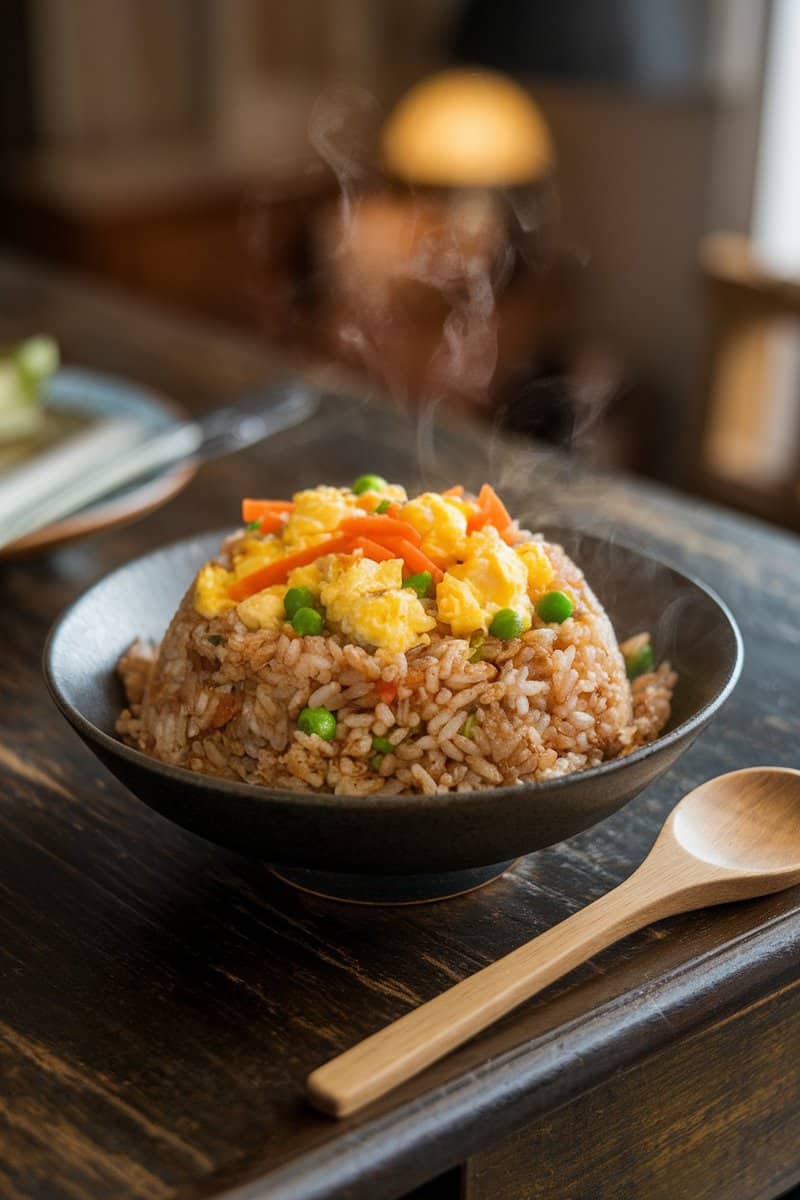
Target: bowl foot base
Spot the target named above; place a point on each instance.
(390, 889)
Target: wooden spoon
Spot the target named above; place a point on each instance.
(732, 838)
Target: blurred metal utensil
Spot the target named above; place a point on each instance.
(222, 431)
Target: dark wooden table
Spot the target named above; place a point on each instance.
(161, 1000)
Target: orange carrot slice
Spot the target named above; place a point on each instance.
(278, 572)
(490, 503)
(373, 550)
(252, 510)
(386, 691)
(413, 557)
(381, 528)
(271, 522)
(477, 520)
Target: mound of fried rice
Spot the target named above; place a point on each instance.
(220, 699)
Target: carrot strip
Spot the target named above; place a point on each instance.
(456, 491)
(477, 520)
(413, 557)
(381, 528)
(373, 550)
(490, 502)
(253, 509)
(386, 691)
(278, 572)
(270, 522)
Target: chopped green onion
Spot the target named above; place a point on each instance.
(369, 483)
(252, 526)
(320, 721)
(383, 506)
(421, 583)
(215, 639)
(506, 624)
(469, 725)
(640, 662)
(381, 744)
(375, 762)
(477, 647)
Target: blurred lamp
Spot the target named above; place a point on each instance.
(466, 128)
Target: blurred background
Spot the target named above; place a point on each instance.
(578, 221)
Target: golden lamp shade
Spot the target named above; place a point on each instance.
(466, 128)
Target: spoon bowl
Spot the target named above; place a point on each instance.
(746, 821)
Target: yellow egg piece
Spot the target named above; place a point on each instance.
(459, 606)
(537, 564)
(316, 514)
(264, 610)
(307, 577)
(394, 620)
(255, 553)
(368, 602)
(211, 590)
(496, 573)
(441, 522)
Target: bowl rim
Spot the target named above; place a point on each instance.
(369, 803)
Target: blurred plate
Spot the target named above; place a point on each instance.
(73, 391)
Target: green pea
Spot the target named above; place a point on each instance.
(369, 483)
(381, 744)
(320, 721)
(421, 583)
(307, 622)
(383, 507)
(506, 624)
(252, 526)
(554, 607)
(640, 661)
(295, 599)
(375, 762)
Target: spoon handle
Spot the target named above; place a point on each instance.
(400, 1050)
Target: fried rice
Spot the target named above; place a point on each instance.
(454, 714)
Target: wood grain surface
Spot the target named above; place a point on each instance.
(162, 1000)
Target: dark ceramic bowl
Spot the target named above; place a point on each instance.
(396, 847)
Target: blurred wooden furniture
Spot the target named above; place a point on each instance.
(162, 999)
(748, 451)
(213, 235)
(178, 222)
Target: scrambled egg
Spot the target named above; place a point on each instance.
(367, 601)
(317, 512)
(211, 590)
(264, 610)
(441, 522)
(492, 576)
(538, 565)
